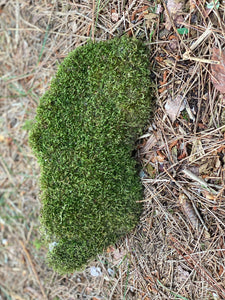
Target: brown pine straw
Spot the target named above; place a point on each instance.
(29, 259)
(196, 266)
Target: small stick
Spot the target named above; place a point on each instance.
(17, 22)
(7, 172)
(186, 55)
(213, 131)
(93, 21)
(200, 39)
(33, 269)
(199, 180)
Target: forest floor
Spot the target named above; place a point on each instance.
(178, 249)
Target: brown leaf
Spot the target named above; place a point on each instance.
(173, 143)
(218, 70)
(208, 195)
(188, 210)
(161, 157)
(220, 270)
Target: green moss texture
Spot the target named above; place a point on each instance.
(83, 137)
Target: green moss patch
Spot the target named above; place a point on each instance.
(83, 138)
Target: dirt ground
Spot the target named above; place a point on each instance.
(178, 249)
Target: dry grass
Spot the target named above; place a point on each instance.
(178, 250)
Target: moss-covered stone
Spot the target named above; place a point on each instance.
(83, 138)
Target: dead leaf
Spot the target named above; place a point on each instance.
(183, 150)
(173, 44)
(183, 275)
(151, 142)
(151, 171)
(151, 285)
(188, 210)
(139, 10)
(174, 153)
(161, 157)
(208, 195)
(110, 249)
(2, 138)
(150, 18)
(192, 5)
(114, 16)
(218, 70)
(163, 82)
(175, 9)
(220, 270)
(197, 150)
(207, 166)
(173, 143)
(159, 9)
(183, 155)
(151, 288)
(175, 106)
(159, 58)
(117, 254)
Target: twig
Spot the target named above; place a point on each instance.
(199, 40)
(17, 10)
(33, 269)
(203, 60)
(199, 180)
(211, 132)
(93, 21)
(7, 171)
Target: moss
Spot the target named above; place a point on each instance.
(83, 137)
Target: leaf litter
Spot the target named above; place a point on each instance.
(174, 107)
(218, 70)
(174, 13)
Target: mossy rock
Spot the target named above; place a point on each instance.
(83, 137)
